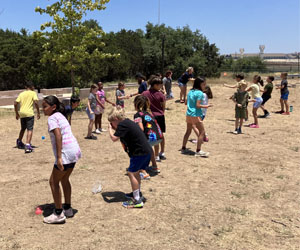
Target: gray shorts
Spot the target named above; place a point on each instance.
(91, 116)
(154, 143)
(27, 123)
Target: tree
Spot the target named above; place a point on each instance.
(68, 41)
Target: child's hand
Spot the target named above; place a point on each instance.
(17, 116)
(127, 97)
(239, 105)
(210, 105)
(60, 164)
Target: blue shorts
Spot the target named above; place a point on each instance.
(285, 96)
(91, 116)
(258, 102)
(180, 84)
(154, 143)
(139, 162)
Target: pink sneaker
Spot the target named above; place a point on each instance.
(205, 139)
(254, 126)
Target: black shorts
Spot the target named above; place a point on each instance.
(66, 166)
(27, 123)
(265, 98)
(161, 122)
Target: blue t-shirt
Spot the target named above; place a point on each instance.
(143, 87)
(194, 95)
(185, 77)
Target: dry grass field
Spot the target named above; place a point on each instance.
(244, 196)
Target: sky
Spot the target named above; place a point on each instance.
(230, 24)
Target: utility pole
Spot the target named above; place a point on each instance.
(158, 13)
(163, 54)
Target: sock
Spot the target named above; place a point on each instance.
(66, 206)
(58, 211)
(136, 194)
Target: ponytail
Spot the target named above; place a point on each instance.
(259, 80)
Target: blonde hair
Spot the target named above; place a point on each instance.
(93, 86)
(117, 113)
(189, 68)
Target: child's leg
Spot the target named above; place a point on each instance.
(187, 134)
(254, 112)
(162, 146)
(100, 122)
(241, 122)
(90, 127)
(156, 150)
(156, 147)
(21, 134)
(135, 181)
(286, 104)
(184, 92)
(201, 130)
(55, 178)
(181, 92)
(66, 185)
(96, 122)
(29, 136)
(282, 104)
(236, 123)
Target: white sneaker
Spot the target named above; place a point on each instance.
(202, 154)
(157, 159)
(68, 213)
(103, 130)
(97, 131)
(55, 218)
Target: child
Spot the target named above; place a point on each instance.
(207, 94)
(120, 95)
(284, 95)
(167, 83)
(26, 100)
(256, 98)
(143, 86)
(240, 98)
(90, 110)
(157, 106)
(67, 152)
(267, 95)
(193, 117)
(101, 99)
(135, 144)
(151, 129)
(182, 82)
(69, 109)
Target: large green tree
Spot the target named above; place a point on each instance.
(68, 42)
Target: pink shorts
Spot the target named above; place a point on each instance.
(193, 119)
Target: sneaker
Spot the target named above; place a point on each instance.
(239, 131)
(20, 144)
(286, 113)
(194, 141)
(267, 114)
(279, 112)
(235, 131)
(97, 131)
(92, 137)
(154, 169)
(157, 159)
(254, 126)
(202, 154)
(132, 203)
(162, 156)
(130, 196)
(185, 151)
(102, 130)
(144, 176)
(28, 148)
(205, 139)
(69, 213)
(55, 218)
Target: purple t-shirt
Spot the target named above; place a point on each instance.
(156, 99)
(70, 148)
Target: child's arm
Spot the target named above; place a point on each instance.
(109, 102)
(111, 133)
(139, 122)
(16, 104)
(36, 104)
(229, 86)
(123, 97)
(163, 105)
(199, 105)
(89, 106)
(58, 141)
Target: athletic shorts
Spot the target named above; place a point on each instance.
(139, 162)
(27, 123)
(285, 96)
(265, 98)
(66, 166)
(193, 119)
(161, 122)
(91, 116)
(154, 143)
(258, 102)
(240, 112)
